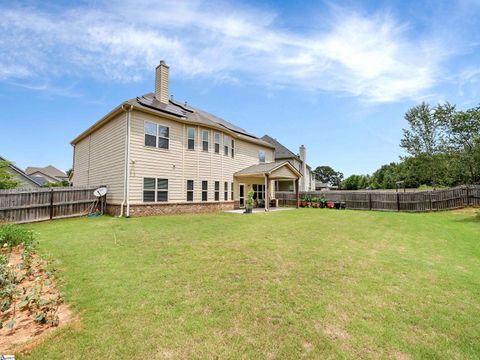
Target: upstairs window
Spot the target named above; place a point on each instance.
(189, 190)
(205, 138)
(156, 135)
(226, 141)
(204, 190)
(216, 140)
(217, 190)
(155, 190)
(225, 191)
(261, 156)
(191, 138)
(233, 148)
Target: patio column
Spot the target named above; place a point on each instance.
(296, 193)
(267, 190)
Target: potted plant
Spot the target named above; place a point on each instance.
(249, 202)
(302, 202)
(308, 200)
(322, 201)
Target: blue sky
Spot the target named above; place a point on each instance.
(335, 76)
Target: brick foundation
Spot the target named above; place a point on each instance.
(171, 209)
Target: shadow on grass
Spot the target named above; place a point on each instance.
(474, 218)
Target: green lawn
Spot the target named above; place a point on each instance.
(307, 283)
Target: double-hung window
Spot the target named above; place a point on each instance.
(155, 190)
(156, 135)
(217, 190)
(225, 191)
(191, 138)
(231, 190)
(205, 137)
(216, 141)
(233, 148)
(226, 141)
(204, 190)
(261, 156)
(189, 190)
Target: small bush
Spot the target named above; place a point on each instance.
(13, 235)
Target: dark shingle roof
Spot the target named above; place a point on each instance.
(194, 115)
(281, 152)
(21, 173)
(49, 170)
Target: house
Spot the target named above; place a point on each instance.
(160, 156)
(320, 186)
(25, 181)
(47, 174)
(282, 153)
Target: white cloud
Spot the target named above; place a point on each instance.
(370, 56)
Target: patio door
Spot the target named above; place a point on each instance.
(242, 195)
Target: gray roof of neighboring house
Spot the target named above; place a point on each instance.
(49, 170)
(281, 152)
(21, 172)
(264, 168)
(195, 116)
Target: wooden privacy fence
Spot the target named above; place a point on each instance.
(443, 199)
(30, 205)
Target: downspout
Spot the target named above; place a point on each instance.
(126, 181)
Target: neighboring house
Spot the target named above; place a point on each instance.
(319, 186)
(47, 174)
(159, 156)
(25, 181)
(282, 153)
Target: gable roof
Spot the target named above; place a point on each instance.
(179, 112)
(266, 168)
(281, 152)
(21, 173)
(49, 170)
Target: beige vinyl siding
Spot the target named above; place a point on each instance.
(284, 172)
(99, 159)
(179, 164)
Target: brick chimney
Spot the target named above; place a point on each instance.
(161, 82)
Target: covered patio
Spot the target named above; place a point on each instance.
(261, 179)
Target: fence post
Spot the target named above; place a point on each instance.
(430, 198)
(468, 195)
(369, 201)
(398, 201)
(51, 203)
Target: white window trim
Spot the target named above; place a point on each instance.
(194, 141)
(219, 143)
(157, 136)
(207, 141)
(155, 190)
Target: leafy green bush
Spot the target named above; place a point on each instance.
(13, 235)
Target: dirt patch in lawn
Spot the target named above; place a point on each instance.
(34, 307)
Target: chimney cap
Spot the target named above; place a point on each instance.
(163, 63)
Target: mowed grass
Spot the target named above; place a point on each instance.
(307, 283)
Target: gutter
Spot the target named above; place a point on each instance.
(127, 108)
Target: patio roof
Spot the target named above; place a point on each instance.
(277, 169)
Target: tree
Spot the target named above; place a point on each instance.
(7, 180)
(463, 140)
(386, 177)
(328, 175)
(356, 182)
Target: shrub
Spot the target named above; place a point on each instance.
(13, 235)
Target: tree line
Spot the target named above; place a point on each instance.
(443, 150)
